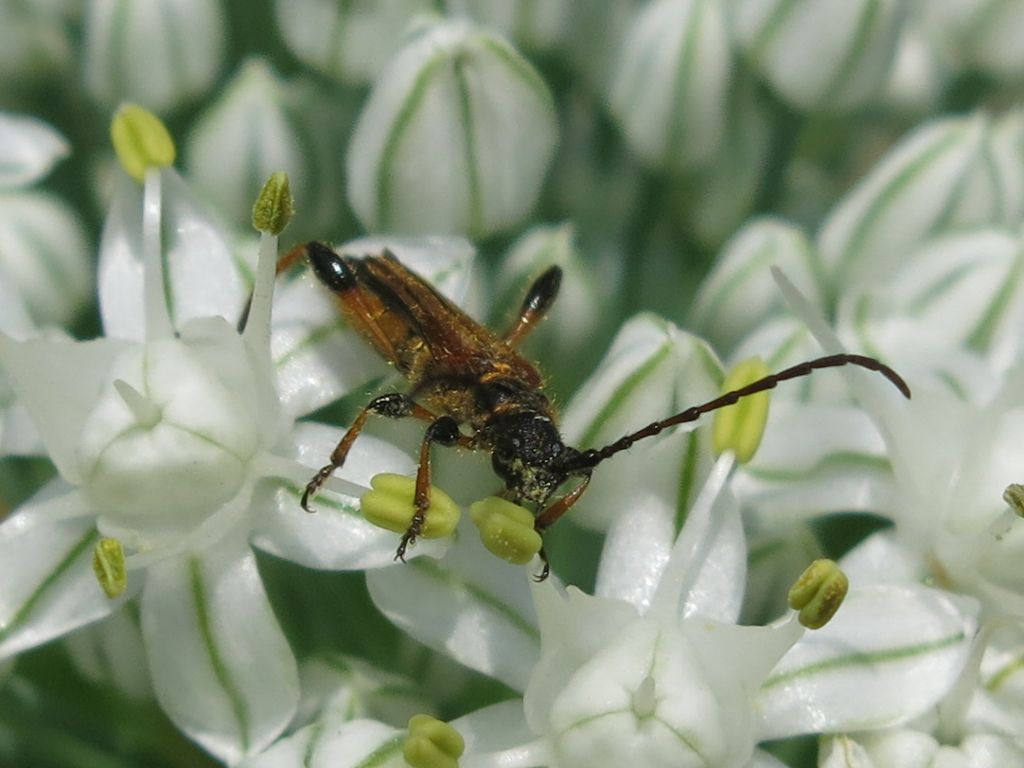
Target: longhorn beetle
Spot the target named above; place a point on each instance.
(461, 373)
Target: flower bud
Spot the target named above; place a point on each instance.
(671, 83)
(506, 529)
(993, 192)
(822, 53)
(161, 53)
(739, 428)
(537, 26)
(108, 564)
(390, 506)
(818, 593)
(432, 743)
(350, 42)
(739, 295)
(455, 138)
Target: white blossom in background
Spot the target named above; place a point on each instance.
(35, 40)
(349, 42)
(162, 432)
(162, 53)
(538, 26)
(977, 34)
(261, 123)
(822, 54)
(672, 75)
(455, 138)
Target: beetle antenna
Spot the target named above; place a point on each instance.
(594, 456)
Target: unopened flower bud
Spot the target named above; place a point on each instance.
(455, 138)
(161, 53)
(140, 140)
(108, 565)
(818, 593)
(506, 529)
(669, 92)
(432, 743)
(823, 53)
(740, 427)
(390, 506)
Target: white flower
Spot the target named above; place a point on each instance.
(669, 92)
(537, 26)
(455, 138)
(823, 54)
(978, 34)
(167, 427)
(161, 54)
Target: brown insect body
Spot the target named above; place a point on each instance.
(461, 373)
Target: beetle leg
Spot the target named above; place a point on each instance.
(443, 431)
(394, 405)
(548, 517)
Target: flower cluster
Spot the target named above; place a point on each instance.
(728, 188)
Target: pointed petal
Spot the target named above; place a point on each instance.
(494, 728)
(221, 666)
(202, 277)
(883, 558)
(29, 148)
(469, 605)
(46, 569)
(890, 653)
(112, 653)
(59, 382)
(333, 742)
(336, 536)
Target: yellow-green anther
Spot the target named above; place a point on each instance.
(432, 743)
(274, 207)
(506, 529)
(390, 506)
(1014, 496)
(108, 564)
(739, 428)
(818, 593)
(140, 140)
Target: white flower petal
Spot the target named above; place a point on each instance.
(221, 666)
(889, 654)
(29, 148)
(59, 383)
(774, 563)
(762, 759)
(46, 568)
(882, 559)
(334, 743)
(471, 606)
(455, 138)
(159, 55)
(46, 256)
(902, 201)
(494, 728)
(816, 458)
(538, 26)
(202, 277)
(336, 536)
(112, 653)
